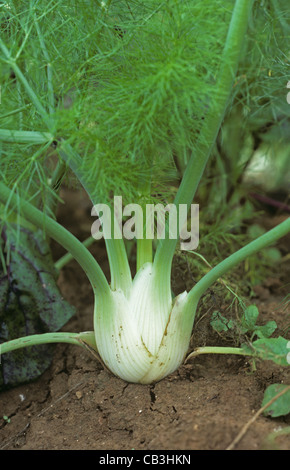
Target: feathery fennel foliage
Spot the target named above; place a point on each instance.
(130, 84)
(128, 98)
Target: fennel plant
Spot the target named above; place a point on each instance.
(117, 95)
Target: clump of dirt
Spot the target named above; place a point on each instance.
(76, 404)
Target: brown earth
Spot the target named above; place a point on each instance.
(77, 404)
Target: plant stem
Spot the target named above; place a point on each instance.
(195, 168)
(15, 111)
(34, 98)
(144, 245)
(68, 256)
(62, 236)
(25, 137)
(44, 338)
(216, 350)
(85, 339)
(227, 264)
(55, 183)
(144, 252)
(49, 67)
(119, 266)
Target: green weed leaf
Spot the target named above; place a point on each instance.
(265, 331)
(30, 303)
(249, 320)
(247, 324)
(279, 407)
(272, 349)
(273, 254)
(220, 323)
(250, 317)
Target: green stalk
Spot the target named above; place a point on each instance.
(63, 237)
(34, 98)
(49, 67)
(15, 111)
(229, 263)
(60, 263)
(54, 184)
(118, 260)
(217, 350)
(25, 137)
(34, 340)
(85, 339)
(144, 252)
(213, 120)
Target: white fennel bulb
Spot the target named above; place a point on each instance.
(143, 337)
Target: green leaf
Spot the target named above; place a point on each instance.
(265, 331)
(272, 349)
(273, 254)
(220, 323)
(30, 303)
(279, 407)
(255, 231)
(249, 317)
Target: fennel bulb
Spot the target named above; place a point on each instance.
(144, 336)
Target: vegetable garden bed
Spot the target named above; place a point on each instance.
(154, 111)
(77, 404)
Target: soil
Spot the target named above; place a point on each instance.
(76, 404)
